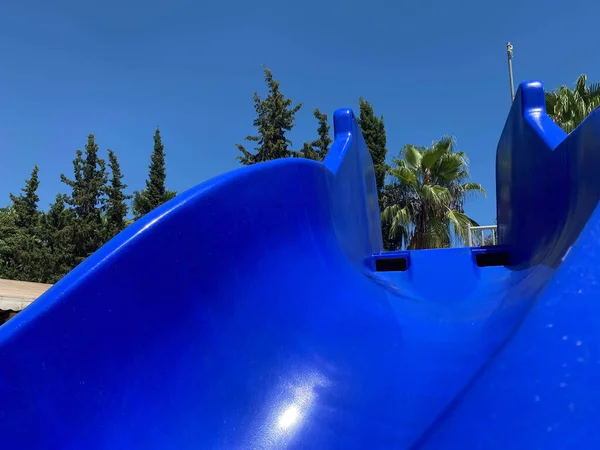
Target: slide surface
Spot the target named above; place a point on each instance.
(249, 313)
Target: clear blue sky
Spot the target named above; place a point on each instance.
(120, 68)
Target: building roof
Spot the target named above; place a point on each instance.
(16, 295)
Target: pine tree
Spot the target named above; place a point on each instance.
(116, 206)
(59, 217)
(155, 185)
(275, 117)
(322, 144)
(24, 254)
(308, 152)
(8, 229)
(373, 131)
(87, 200)
(88, 184)
(59, 231)
(77, 185)
(155, 193)
(318, 148)
(25, 204)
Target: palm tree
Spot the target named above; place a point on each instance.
(430, 186)
(568, 108)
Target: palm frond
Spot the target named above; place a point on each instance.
(404, 175)
(447, 144)
(412, 156)
(400, 222)
(460, 222)
(580, 85)
(432, 156)
(449, 166)
(436, 195)
(437, 234)
(466, 187)
(430, 185)
(389, 213)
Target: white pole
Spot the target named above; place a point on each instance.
(509, 54)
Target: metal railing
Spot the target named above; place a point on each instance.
(477, 236)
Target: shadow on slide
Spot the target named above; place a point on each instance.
(249, 312)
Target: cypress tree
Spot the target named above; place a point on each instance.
(25, 204)
(318, 148)
(156, 178)
(59, 231)
(116, 206)
(88, 183)
(8, 230)
(275, 117)
(373, 131)
(87, 200)
(308, 152)
(155, 193)
(324, 141)
(24, 254)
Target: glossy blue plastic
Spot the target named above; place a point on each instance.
(247, 313)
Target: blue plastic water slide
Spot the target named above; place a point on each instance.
(258, 311)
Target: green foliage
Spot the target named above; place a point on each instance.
(43, 247)
(88, 183)
(275, 117)
(373, 131)
(422, 203)
(568, 108)
(391, 194)
(58, 228)
(25, 204)
(23, 253)
(424, 207)
(116, 206)
(87, 200)
(318, 148)
(155, 193)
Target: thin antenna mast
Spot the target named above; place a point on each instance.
(509, 54)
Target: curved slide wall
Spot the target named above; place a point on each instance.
(542, 388)
(248, 313)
